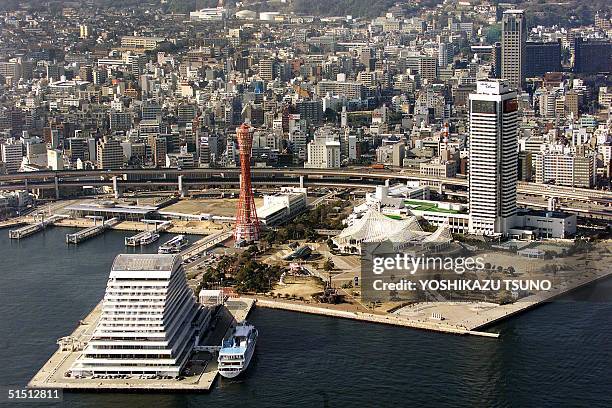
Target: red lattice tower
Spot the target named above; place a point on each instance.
(247, 223)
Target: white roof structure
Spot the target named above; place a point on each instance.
(377, 227)
(374, 226)
(441, 235)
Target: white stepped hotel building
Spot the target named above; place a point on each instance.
(149, 323)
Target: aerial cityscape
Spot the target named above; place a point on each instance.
(306, 203)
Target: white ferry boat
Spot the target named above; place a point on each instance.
(236, 352)
(174, 246)
(149, 238)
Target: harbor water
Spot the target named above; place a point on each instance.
(559, 354)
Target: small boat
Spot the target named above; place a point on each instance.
(174, 246)
(236, 351)
(149, 238)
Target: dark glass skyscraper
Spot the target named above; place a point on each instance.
(542, 57)
(591, 56)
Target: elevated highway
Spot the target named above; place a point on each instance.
(224, 177)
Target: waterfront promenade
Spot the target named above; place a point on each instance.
(371, 317)
(178, 227)
(463, 318)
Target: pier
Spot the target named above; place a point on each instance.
(390, 319)
(462, 318)
(12, 223)
(52, 374)
(148, 237)
(206, 243)
(487, 319)
(90, 232)
(31, 229)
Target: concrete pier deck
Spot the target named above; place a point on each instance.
(463, 318)
(178, 226)
(371, 317)
(486, 319)
(200, 378)
(31, 229)
(90, 232)
(13, 223)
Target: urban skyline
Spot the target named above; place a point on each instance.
(173, 168)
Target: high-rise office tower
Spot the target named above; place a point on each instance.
(442, 55)
(592, 56)
(493, 157)
(428, 68)
(514, 37)
(12, 155)
(137, 65)
(159, 149)
(542, 57)
(496, 60)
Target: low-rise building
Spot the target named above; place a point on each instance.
(282, 207)
(565, 169)
(530, 224)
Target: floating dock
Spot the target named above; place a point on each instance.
(32, 229)
(51, 375)
(90, 232)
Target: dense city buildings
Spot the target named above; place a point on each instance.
(440, 165)
(393, 91)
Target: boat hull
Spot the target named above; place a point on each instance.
(237, 371)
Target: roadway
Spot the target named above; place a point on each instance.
(203, 177)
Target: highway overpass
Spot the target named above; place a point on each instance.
(206, 178)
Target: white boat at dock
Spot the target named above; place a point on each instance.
(149, 238)
(174, 246)
(236, 351)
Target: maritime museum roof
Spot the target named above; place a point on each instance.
(377, 227)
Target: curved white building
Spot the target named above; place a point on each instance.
(268, 15)
(149, 321)
(246, 15)
(374, 226)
